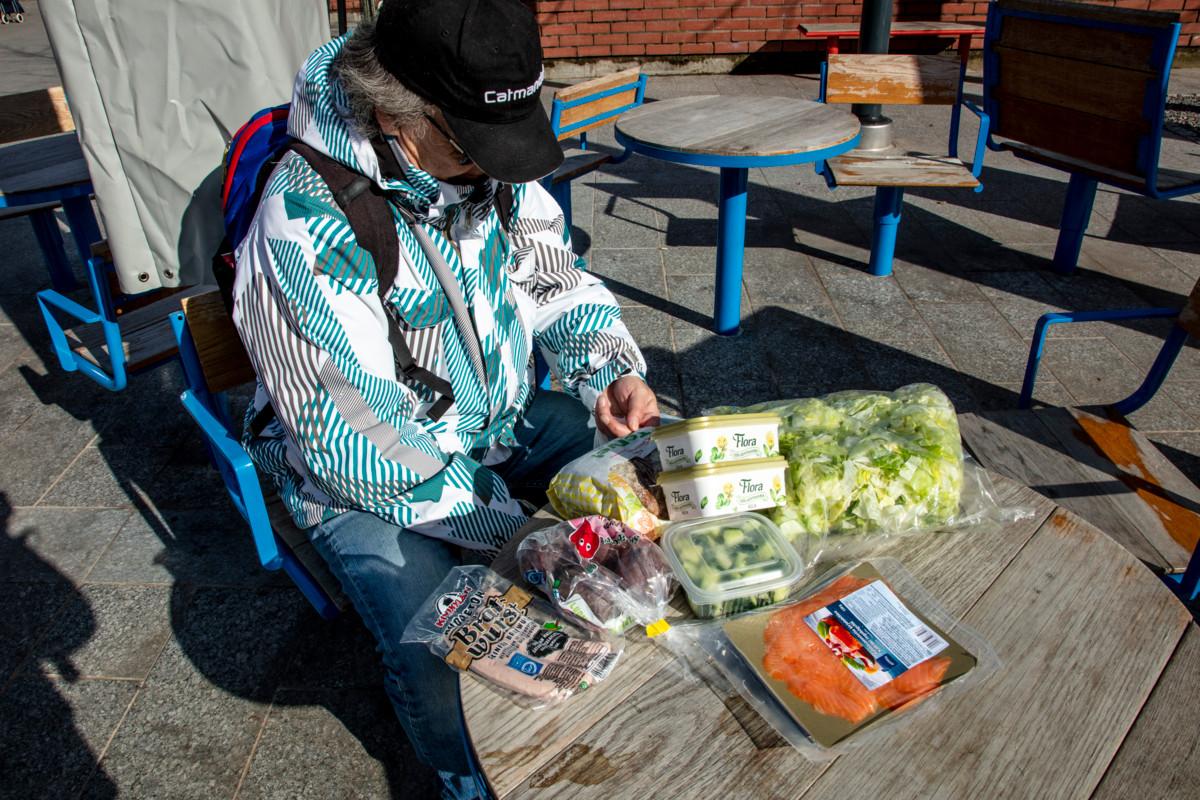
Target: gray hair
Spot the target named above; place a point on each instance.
(370, 88)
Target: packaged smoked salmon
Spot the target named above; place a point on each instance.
(480, 623)
(848, 660)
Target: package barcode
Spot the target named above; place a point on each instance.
(929, 639)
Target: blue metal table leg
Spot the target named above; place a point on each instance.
(731, 246)
(49, 239)
(888, 200)
(84, 229)
(1077, 210)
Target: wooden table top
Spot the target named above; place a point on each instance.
(36, 165)
(1096, 696)
(745, 125)
(898, 28)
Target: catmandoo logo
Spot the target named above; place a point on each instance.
(492, 96)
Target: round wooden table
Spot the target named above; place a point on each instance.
(736, 133)
(1096, 696)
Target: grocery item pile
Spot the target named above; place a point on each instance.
(738, 507)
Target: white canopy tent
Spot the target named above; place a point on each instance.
(156, 88)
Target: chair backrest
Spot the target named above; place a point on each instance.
(891, 79)
(1083, 81)
(221, 358)
(599, 101)
(29, 115)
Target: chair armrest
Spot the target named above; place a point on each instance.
(253, 505)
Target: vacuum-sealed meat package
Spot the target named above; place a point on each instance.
(600, 570)
(478, 622)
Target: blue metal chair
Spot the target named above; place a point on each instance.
(1186, 584)
(122, 334)
(1082, 88)
(577, 110)
(899, 80)
(213, 362)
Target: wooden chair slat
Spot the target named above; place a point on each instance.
(583, 89)
(1093, 12)
(218, 346)
(904, 169)
(145, 334)
(1111, 92)
(892, 79)
(1097, 140)
(1124, 49)
(29, 115)
(577, 163)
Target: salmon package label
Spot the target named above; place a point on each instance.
(480, 623)
(874, 634)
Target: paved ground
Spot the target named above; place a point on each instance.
(143, 653)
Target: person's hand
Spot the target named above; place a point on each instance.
(626, 405)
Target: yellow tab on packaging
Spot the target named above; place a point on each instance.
(655, 628)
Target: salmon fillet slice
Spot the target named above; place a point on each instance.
(798, 657)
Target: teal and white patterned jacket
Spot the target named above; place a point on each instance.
(348, 433)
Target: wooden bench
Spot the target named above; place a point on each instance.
(214, 362)
(834, 32)
(583, 107)
(899, 80)
(48, 171)
(1082, 88)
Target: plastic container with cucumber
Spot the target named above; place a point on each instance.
(731, 564)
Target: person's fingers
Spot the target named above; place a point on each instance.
(605, 420)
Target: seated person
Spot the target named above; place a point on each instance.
(438, 104)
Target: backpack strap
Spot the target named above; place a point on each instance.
(503, 201)
(370, 216)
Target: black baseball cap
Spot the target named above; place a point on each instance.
(480, 62)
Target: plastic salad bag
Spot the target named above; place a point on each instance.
(864, 465)
(618, 481)
(848, 660)
(601, 571)
(478, 622)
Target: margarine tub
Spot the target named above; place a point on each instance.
(713, 440)
(711, 490)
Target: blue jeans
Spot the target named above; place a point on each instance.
(388, 572)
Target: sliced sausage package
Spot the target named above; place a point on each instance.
(479, 622)
(849, 659)
(602, 571)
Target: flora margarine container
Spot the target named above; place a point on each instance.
(712, 490)
(713, 440)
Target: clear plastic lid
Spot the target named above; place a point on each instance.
(723, 558)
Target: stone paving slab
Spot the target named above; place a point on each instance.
(143, 651)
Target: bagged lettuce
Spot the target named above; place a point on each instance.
(862, 462)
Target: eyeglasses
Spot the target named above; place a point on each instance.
(463, 159)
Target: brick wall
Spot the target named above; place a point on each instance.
(620, 29)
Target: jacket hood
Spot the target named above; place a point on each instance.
(320, 117)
